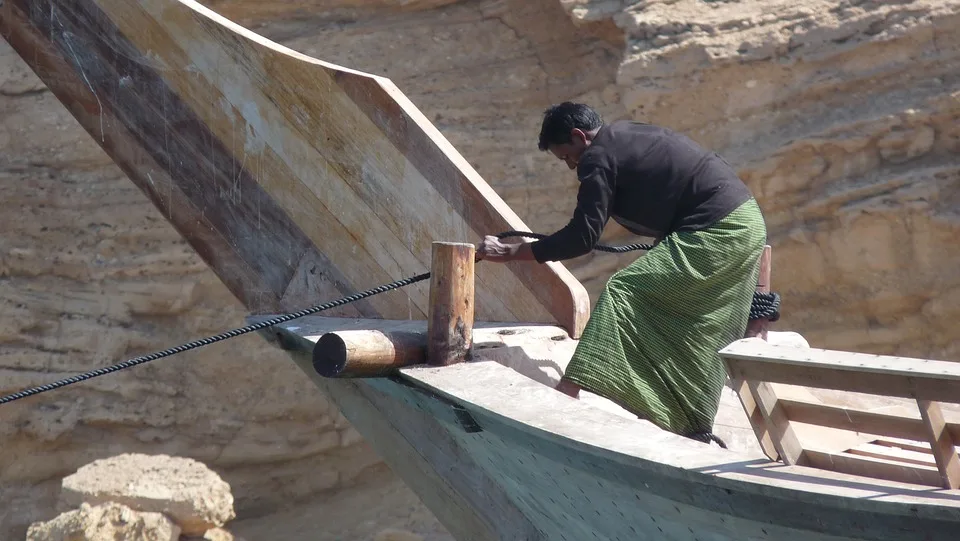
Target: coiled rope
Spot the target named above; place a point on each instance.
(767, 306)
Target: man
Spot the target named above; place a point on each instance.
(651, 342)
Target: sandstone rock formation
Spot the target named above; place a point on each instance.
(843, 116)
(185, 490)
(138, 497)
(105, 522)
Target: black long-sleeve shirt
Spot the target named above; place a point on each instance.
(649, 179)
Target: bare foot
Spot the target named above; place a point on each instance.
(568, 388)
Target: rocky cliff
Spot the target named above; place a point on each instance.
(844, 118)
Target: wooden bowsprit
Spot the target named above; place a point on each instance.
(294, 179)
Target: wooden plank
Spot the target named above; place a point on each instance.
(872, 467)
(777, 424)
(900, 443)
(450, 323)
(894, 454)
(942, 444)
(855, 419)
(290, 165)
(757, 360)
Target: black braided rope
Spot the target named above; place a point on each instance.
(210, 340)
(599, 247)
(764, 305)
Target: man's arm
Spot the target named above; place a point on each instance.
(582, 232)
(578, 237)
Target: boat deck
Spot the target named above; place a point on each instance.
(514, 369)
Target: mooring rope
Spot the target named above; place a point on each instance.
(766, 307)
(211, 339)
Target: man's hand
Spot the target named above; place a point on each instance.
(491, 249)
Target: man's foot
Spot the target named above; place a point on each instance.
(568, 388)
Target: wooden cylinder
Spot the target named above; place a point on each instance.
(451, 312)
(758, 327)
(367, 353)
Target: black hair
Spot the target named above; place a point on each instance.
(560, 120)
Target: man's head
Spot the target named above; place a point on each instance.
(568, 129)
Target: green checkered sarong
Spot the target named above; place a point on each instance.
(651, 342)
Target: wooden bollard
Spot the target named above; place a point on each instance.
(758, 327)
(450, 316)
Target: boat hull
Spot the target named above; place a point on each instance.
(497, 455)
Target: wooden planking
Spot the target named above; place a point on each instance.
(536, 408)
(430, 151)
(412, 217)
(212, 83)
(617, 452)
(756, 360)
(369, 198)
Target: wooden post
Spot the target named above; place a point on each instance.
(450, 317)
(758, 327)
(753, 396)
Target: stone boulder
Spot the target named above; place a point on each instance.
(106, 522)
(190, 494)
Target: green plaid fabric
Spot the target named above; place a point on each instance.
(652, 339)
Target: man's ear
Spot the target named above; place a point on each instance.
(577, 135)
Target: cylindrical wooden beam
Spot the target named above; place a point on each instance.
(367, 353)
(450, 317)
(758, 327)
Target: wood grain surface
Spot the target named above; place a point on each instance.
(297, 181)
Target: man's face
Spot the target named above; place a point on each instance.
(570, 152)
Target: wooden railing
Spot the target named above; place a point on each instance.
(917, 449)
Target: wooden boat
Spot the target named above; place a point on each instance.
(299, 181)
